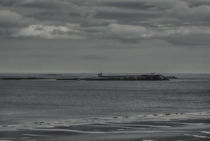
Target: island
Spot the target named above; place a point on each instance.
(97, 77)
(145, 77)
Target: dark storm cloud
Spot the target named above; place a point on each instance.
(130, 20)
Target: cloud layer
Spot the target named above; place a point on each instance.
(174, 21)
(50, 32)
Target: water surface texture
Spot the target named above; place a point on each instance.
(105, 110)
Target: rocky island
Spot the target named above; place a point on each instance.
(99, 77)
(142, 77)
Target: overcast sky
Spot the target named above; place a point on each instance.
(74, 36)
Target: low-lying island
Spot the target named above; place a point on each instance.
(101, 77)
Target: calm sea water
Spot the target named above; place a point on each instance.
(28, 104)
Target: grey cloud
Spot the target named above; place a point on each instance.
(49, 9)
(68, 31)
(125, 17)
(194, 3)
(194, 40)
(124, 20)
(10, 18)
(45, 4)
(186, 34)
(182, 9)
(8, 2)
(130, 5)
(11, 21)
(178, 9)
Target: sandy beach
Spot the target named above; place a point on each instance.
(165, 127)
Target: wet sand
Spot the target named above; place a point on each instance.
(193, 129)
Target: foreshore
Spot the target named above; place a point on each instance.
(194, 128)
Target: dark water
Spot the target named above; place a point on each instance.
(106, 110)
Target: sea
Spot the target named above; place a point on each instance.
(79, 110)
